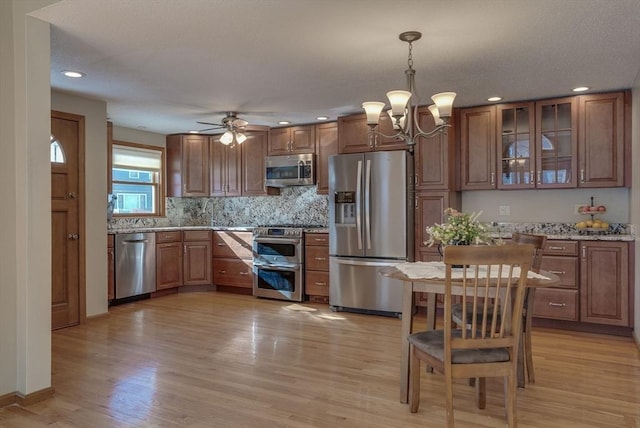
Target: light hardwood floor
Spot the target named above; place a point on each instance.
(222, 360)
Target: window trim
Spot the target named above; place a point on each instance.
(160, 185)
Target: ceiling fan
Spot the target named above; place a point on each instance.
(235, 128)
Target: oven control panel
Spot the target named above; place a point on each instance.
(287, 232)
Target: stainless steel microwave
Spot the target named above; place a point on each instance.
(290, 170)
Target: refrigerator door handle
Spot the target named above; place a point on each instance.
(359, 204)
(367, 201)
(366, 263)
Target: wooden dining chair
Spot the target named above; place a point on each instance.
(538, 242)
(489, 346)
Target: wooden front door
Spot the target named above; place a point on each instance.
(67, 249)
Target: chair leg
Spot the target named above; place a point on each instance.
(414, 381)
(481, 393)
(449, 398)
(526, 337)
(510, 390)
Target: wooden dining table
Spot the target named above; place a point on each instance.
(433, 287)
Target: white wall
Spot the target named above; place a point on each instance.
(95, 198)
(547, 205)
(25, 191)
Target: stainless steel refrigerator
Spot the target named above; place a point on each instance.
(370, 227)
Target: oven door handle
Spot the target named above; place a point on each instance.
(277, 240)
(267, 266)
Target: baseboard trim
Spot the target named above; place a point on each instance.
(8, 399)
(26, 400)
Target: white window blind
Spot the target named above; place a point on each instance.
(135, 157)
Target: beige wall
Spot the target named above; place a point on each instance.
(25, 191)
(556, 206)
(138, 136)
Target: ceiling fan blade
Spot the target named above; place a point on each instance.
(209, 129)
(214, 124)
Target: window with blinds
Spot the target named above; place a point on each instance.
(137, 179)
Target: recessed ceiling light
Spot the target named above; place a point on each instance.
(284, 122)
(322, 117)
(194, 132)
(73, 74)
(494, 99)
(581, 89)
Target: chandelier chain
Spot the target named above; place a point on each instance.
(410, 59)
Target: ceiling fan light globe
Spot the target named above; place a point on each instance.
(240, 138)
(226, 138)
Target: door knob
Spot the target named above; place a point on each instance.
(73, 236)
(71, 195)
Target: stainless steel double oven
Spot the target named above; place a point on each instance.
(278, 262)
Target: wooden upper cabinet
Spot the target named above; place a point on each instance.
(225, 169)
(435, 157)
(326, 145)
(430, 208)
(354, 137)
(187, 165)
(477, 148)
(516, 145)
(254, 151)
(292, 140)
(556, 141)
(601, 140)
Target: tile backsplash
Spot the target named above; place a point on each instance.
(295, 205)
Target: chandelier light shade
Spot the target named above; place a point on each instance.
(436, 114)
(444, 103)
(404, 105)
(398, 101)
(373, 110)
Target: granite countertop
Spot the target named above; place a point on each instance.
(221, 228)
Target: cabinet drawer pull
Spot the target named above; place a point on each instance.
(221, 244)
(557, 305)
(558, 272)
(244, 273)
(222, 271)
(320, 239)
(321, 258)
(553, 247)
(322, 284)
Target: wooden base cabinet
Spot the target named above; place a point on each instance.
(168, 260)
(111, 268)
(604, 283)
(232, 259)
(197, 257)
(316, 267)
(594, 283)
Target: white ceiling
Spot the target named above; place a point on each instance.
(163, 65)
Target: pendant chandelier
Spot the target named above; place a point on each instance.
(404, 105)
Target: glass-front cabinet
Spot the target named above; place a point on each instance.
(516, 125)
(557, 142)
(538, 145)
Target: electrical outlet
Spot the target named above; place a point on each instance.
(504, 210)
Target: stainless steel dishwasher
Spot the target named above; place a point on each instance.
(135, 264)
